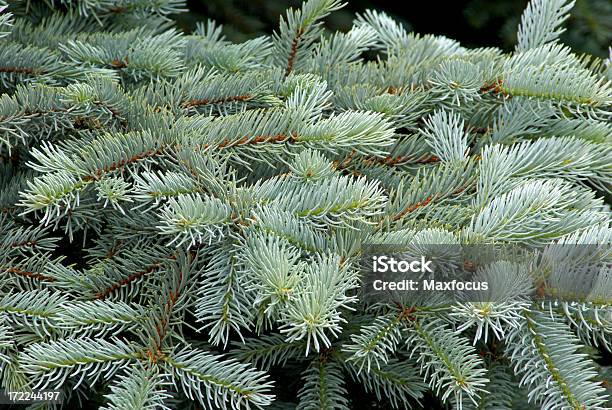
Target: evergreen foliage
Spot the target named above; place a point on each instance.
(182, 218)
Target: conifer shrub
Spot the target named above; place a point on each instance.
(183, 219)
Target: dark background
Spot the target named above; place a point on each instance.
(476, 23)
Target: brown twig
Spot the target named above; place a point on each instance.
(20, 70)
(412, 208)
(293, 51)
(161, 326)
(116, 63)
(494, 87)
(206, 101)
(258, 140)
(120, 164)
(28, 274)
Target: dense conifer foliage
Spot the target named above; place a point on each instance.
(182, 218)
